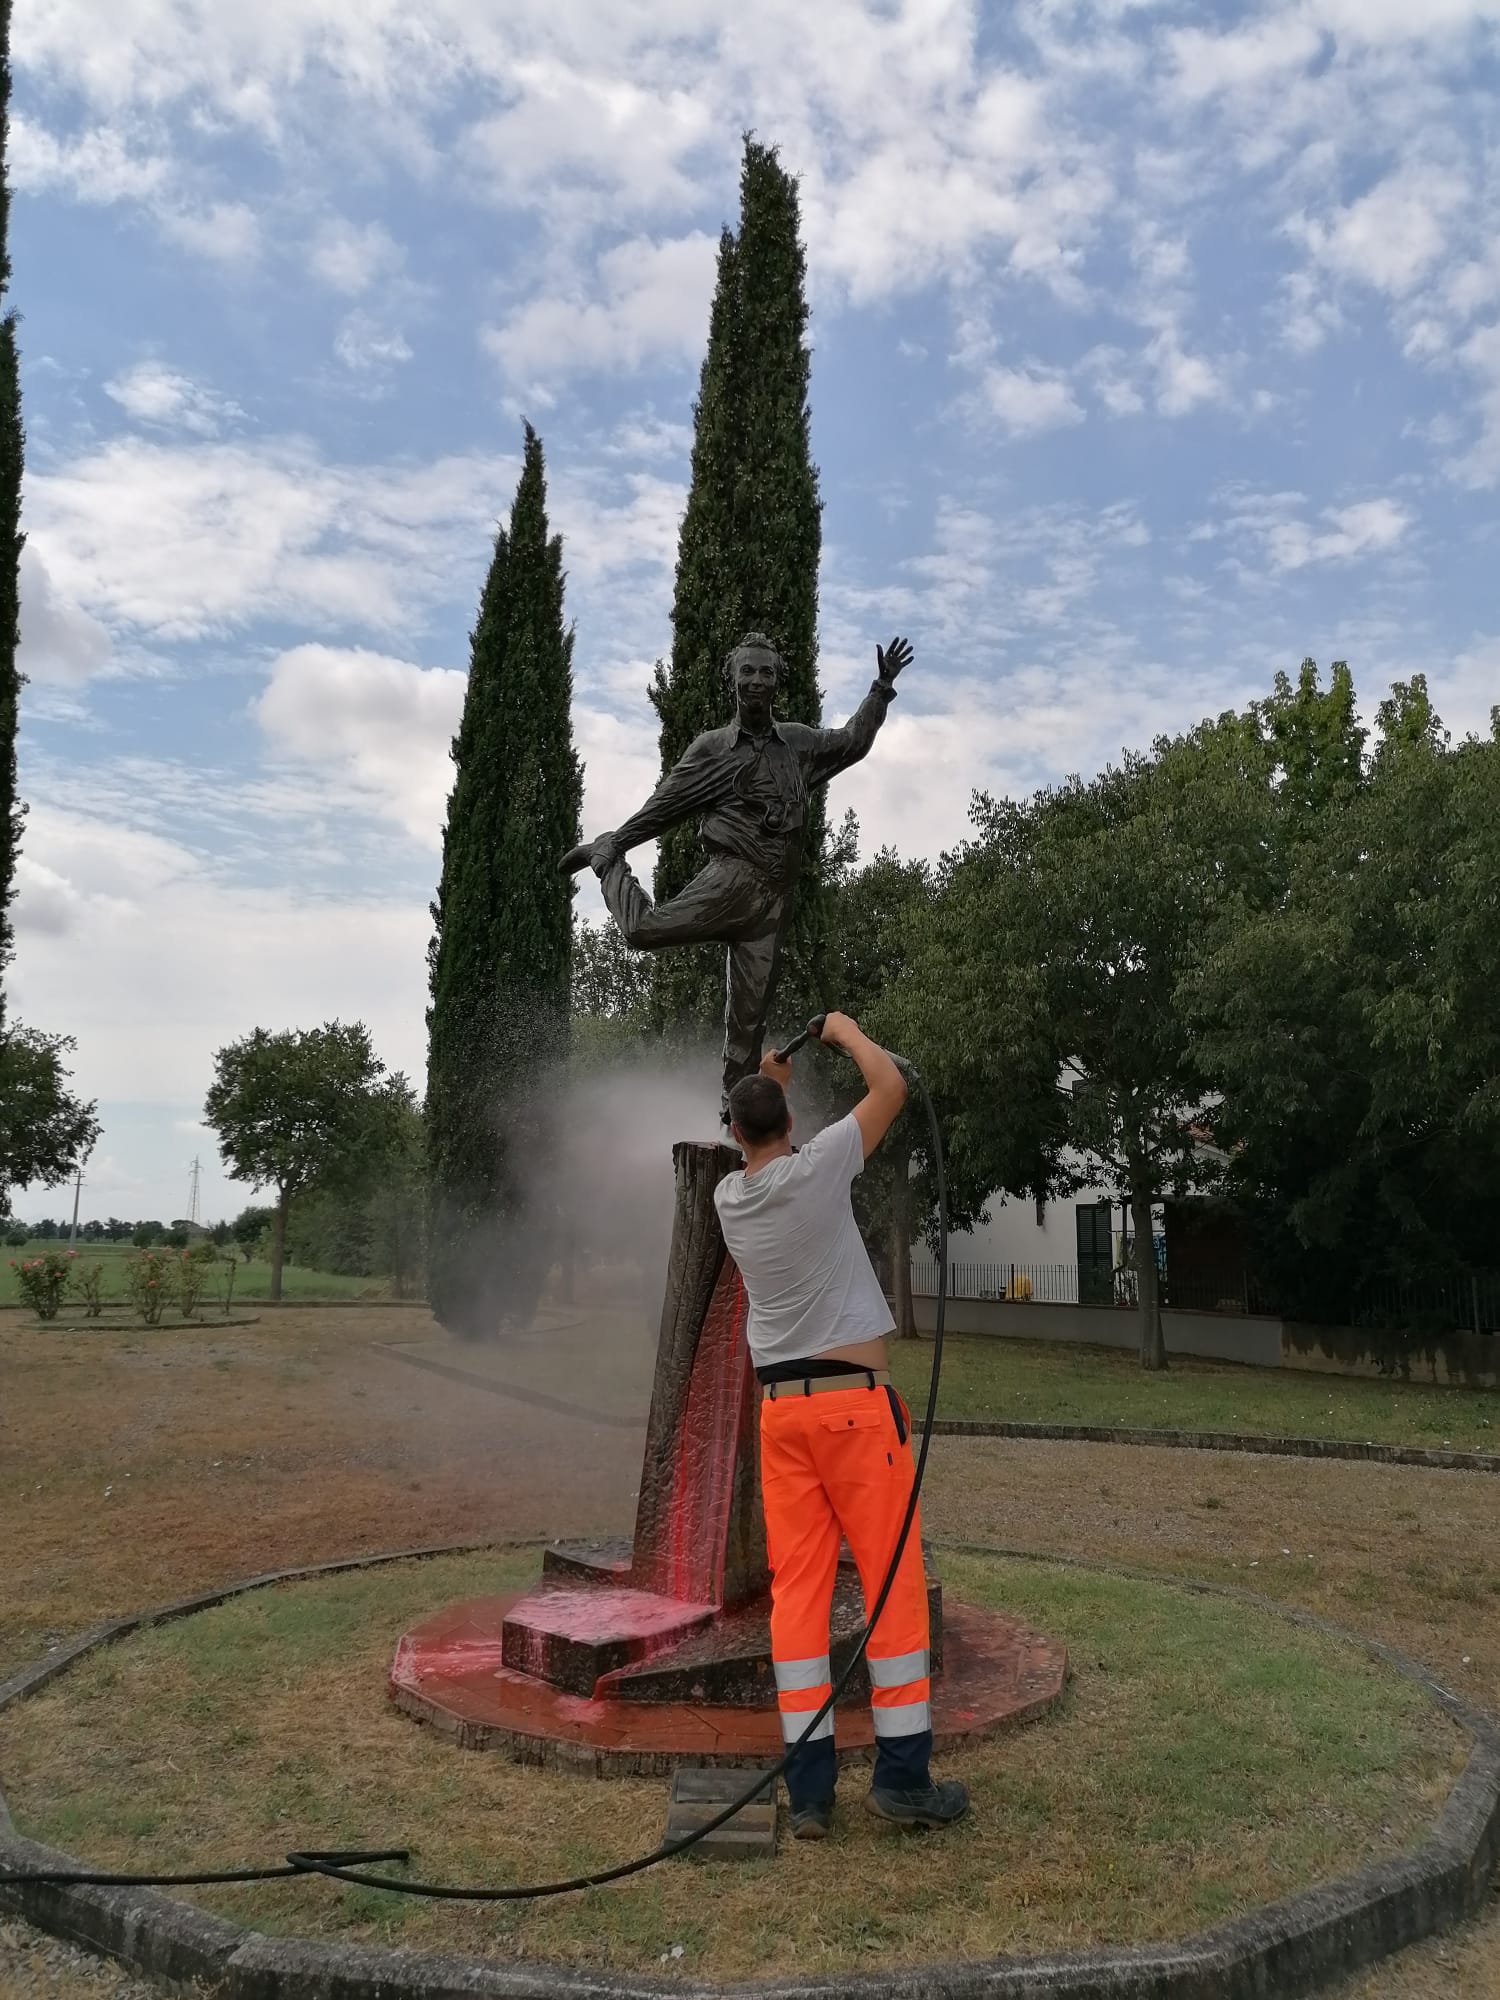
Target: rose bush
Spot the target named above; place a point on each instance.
(45, 1281)
(151, 1284)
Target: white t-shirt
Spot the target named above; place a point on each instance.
(790, 1228)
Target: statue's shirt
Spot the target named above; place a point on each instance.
(752, 792)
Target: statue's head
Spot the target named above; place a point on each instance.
(754, 670)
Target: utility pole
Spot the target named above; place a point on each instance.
(77, 1191)
(193, 1191)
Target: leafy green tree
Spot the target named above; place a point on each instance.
(251, 1228)
(221, 1236)
(290, 1107)
(1060, 937)
(367, 1218)
(499, 961)
(1352, 1028)
(46, 1132)
(12, 452)
(876, 913)
(146, 1235)
(747, 556)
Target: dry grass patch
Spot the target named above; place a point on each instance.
(1206, 1758)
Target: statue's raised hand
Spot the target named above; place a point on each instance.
(892, 659)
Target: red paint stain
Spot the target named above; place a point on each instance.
(692, 1563)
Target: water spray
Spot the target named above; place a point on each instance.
(343, 1865)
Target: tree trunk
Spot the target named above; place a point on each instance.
(1147, 1290)
(901, 1301)
(278, 1244)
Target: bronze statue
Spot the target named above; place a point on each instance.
(750, 782)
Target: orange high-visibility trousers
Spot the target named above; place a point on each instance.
(835, 1466)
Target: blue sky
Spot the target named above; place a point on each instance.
(1155, 346)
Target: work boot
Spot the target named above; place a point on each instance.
(811, 1822)
(926, 1805)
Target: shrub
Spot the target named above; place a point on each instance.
(151, 1284)
(17, 1238)
(43, 1282)
(88, 1280)
(227, 1272)
(191, 1279)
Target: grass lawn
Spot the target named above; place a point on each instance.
(1206, 1757)
(252, 1281)
(1026, 1381)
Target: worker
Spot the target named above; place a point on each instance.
(835, 1438)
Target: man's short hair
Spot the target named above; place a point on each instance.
(758, 1109)
(755, 642)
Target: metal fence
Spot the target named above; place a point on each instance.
(1047, 1284)
(1469, 1304)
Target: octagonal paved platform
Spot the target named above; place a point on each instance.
(448, 1672)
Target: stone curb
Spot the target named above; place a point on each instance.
(1252, 1441)
(1288, 1948)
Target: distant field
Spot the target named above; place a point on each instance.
(252, 1281)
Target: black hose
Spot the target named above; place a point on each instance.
(341, 1865)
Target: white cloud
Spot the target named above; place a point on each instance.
(61, 644)
(1391, 237)
(1479, 466)
(349, 257)
(577, 136)
(1467, 688)
(185, 541)
(154, 394)
(382, 724)
(99, 165)
(1106, 371)
(130, 901)
(1026, 401)
(1183, 381)
(1207, 64)
(1288, 541)
(226, 232)
(367, 347)
(654, 304)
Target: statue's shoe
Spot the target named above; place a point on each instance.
(576, 858)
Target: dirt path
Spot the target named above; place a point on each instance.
(133, 1470)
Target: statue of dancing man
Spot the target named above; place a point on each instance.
(749, 784)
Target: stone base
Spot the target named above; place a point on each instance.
(588, 1619)
(449, 1672)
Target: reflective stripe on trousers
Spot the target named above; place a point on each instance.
(802, 1687)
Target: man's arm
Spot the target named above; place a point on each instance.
(885, 1086)
(834, 750)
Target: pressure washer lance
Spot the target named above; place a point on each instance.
(336, 1866)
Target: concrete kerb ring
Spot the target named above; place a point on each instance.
(1288, 1948)
(1262, 1444)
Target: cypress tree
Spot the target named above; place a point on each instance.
(748, 551)
(500, 959)
(12, 446)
